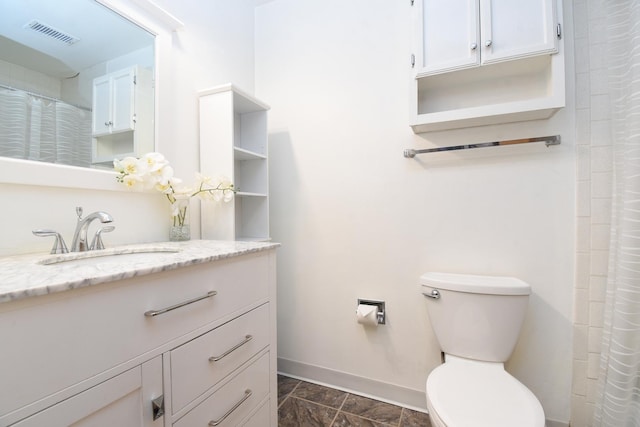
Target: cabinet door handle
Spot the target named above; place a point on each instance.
(109, 123)
(157, 406)
(488, 43)
(247, 394)
(231, 350)
(473, 46)
(152, 313)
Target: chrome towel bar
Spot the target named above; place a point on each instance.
(548, 140)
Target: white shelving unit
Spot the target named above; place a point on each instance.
(233, 143)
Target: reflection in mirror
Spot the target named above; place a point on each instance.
(76, 83)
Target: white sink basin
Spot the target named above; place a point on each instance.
(111, 256)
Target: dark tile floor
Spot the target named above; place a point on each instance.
(303, 404)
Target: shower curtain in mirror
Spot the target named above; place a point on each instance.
(34, 128)
(618, 400)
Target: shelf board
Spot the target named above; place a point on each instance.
(243, 154)
(482, 116)
(248, 194)
(253, 238)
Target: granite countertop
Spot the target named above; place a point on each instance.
(24, 276)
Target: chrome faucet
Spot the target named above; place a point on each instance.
(80, 236)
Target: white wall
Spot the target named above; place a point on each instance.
(357, 220)
(215, 47)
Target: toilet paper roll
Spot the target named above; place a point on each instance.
(367, 314)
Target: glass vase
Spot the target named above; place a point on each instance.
(180, 217)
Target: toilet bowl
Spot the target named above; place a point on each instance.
(471, 393)
(477, 321)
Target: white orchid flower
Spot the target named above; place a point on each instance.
(133, 182)
(154, 161)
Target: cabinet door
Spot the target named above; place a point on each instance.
(123, 401)
(516, 29)
(449, 35)
(123, 95)
(101, 106)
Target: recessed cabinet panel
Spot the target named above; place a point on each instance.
(116, 402)
(123, 103)
(451, 34)
(101, 105)
(512, 29)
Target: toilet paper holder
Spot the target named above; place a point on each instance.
(381, 312)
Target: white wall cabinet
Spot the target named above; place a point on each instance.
(466, 33)
(122, 122)
(479, 62)
(92, 357)
(233, 143)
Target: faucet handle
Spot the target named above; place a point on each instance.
(97, 239)
(59, 246)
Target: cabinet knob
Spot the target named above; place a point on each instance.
(109, 123)
(488, 43)
(474, 46)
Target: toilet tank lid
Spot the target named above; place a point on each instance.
(493, 285)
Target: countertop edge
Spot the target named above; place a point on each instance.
(25, 276)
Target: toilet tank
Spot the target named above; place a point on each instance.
(476, 317)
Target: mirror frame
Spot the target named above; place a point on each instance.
(161, 24)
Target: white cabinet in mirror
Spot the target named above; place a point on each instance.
(27, 166)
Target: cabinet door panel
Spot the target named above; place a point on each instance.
(115, 402)
(516, 29)
(449, 33)
(101, 106)
(123, 101)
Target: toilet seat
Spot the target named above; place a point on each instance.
(465, 393)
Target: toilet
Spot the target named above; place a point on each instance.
(477, 320)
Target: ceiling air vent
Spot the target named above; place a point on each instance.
(51, 32)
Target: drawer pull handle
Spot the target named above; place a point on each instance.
(231, 350)
(152, 313)
(247, 394)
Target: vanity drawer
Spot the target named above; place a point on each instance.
(235, 400)
(199, 364)
(74, 336)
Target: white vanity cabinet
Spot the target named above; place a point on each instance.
(233, 142)
(195, 339)
(122, 116)
(479, 62)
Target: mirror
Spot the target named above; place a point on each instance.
(76, 83)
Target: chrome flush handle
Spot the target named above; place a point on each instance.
(435, 294)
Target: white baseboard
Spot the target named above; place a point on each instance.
(385, 392)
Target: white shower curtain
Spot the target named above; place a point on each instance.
(34, 128)
(618, 400)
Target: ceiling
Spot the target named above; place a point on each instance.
(102, 35)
